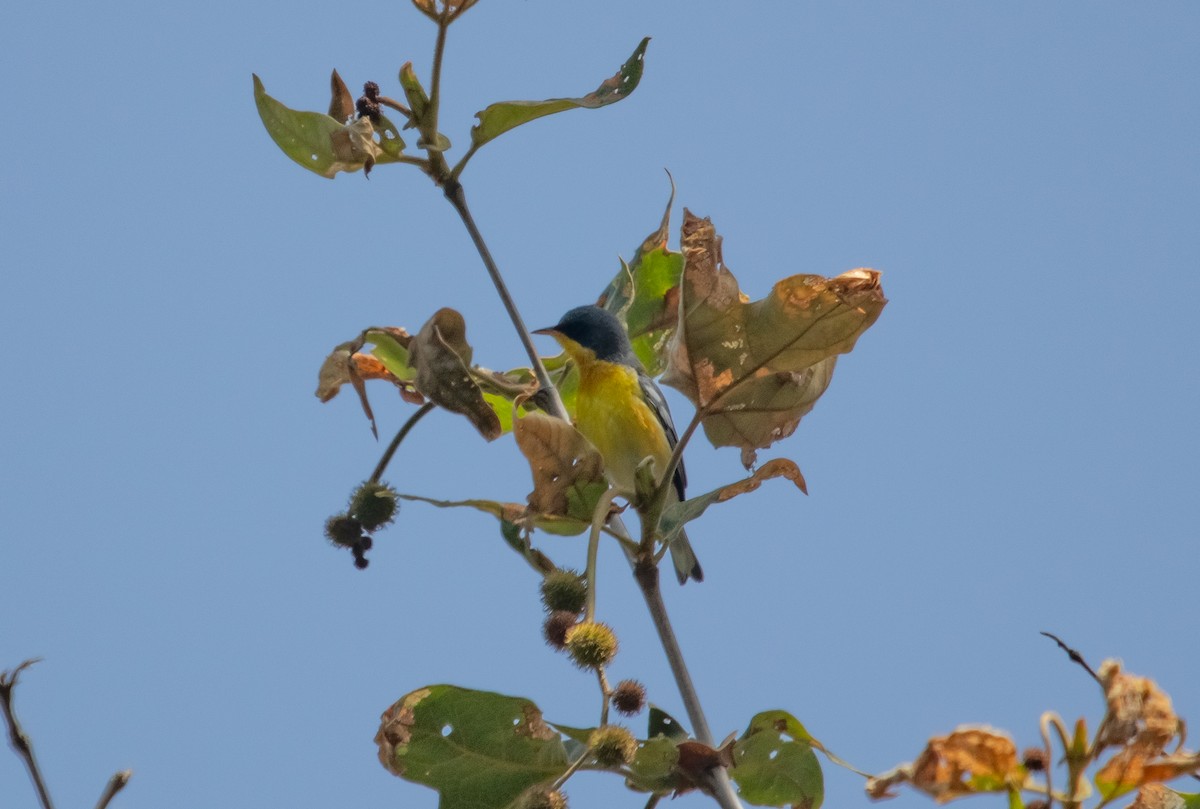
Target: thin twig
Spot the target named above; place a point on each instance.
(381, 467)
(1075, 656)
(599, 517)
(115, 785)
(16, 735)
(605, 694)
(457, 197)
(571, 770)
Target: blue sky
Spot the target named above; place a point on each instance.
(1011, 448)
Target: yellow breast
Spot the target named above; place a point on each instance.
(611, 413)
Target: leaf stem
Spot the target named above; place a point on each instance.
(462, 163)
(653, 514)
(599, 517)
(571, 770)
(605, 694)
(395, 445)
(16, 735)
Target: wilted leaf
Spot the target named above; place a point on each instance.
(441, 355)
(568, 472)
(1133, 767)
(1156, 796)
(354, 144)
(774, 763)
(346, 365)
(507, 512)
(756, 368)
(676, 515)
(340, 368)
(505, 115)
(478, 749)
(317, 142)
(966, 762)
(341, 100)
(645, 295)
(1139, 712)
(1141, 719)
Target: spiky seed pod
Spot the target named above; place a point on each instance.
(564, 590)
(371, 90)
(629, 697)
(556, 626)
(612, 746)
(591, 644)
(542, 798)
(1034, 759)
(374, 505)
(343, 530)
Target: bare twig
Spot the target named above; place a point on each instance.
(115, 785)
(458, 198)
(16, 735)
(395, 445)
(1075, 656)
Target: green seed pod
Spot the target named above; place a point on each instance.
(612, 746)
(591, 644)
(343, 530)
(564, 590)
(374, 505)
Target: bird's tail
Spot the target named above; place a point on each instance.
(687, 566)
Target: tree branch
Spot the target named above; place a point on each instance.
(16, 735)
(115, 785)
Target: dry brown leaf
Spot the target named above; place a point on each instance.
(1156, 796)
(1139, 712)
(758, 367)
(966, 762)
(441, 355)
(568, 472)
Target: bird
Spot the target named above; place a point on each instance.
(621, 411)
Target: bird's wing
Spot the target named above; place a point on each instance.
(654, 398)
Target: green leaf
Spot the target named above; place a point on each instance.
(654, 767)
(1191, 800)
(393, 353)
(644, 295)
(500, 117)
(478, 749)
(418, 100)
(663, 724)
(318, 142)
(676, 515)
(775, 764)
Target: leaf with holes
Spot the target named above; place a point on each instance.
(568, 472)
(774, 763)
(478, 749)
(325, 145)
(498, 118)
(755, 368)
